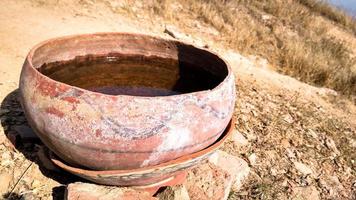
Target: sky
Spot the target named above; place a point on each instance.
(348, 5)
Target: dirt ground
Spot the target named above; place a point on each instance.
(300, 139)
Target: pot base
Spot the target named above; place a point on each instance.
(148, 178)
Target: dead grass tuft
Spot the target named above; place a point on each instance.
(334, 14)
(326, 62)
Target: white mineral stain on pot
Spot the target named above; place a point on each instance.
(176, 138)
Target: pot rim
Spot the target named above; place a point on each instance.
(228, 131)
(30, 55)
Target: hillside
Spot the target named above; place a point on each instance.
(297, 132)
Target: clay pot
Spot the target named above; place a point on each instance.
(125, 101)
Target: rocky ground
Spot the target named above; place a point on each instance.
(300, 143)
(298, 140)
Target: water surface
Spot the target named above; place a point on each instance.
(132, 75)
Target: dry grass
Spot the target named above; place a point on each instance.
(334, 14)
(291, 39)
(326, 62)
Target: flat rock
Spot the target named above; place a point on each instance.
(178, 192)
(238, 139)
(332, 186)
(252, 159)
(305, 193)
(208, 181)
(303, 168)
(236, 167)
(86, 191)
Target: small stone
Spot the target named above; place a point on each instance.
(285, 183)
(290, 153)
(208, 181)
(305, 193)
(312, 133)
(251, 136)
(285, 143)
(266, 17)
(26, 133)
(5, 180)
(86, 191)
(303, 168)
(288, 118)
(327, 92)
(273, 172)
(253, 159)
(178, 192)
(254, 113)
(331, 145)
(238, 139)
(332, 185)
(236, 167)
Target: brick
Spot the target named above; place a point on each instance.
(86, 191)
(236, 167)
(208, 181)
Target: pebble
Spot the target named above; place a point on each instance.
(238, 139)
(331, 145)
(252, 159)
(305, 193)
(303, 168)
(237, 168)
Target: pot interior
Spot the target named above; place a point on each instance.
(158, 68)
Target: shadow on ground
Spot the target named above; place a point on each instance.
(29, 147)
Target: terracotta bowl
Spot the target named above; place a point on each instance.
(125, 101)
(152, 176)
